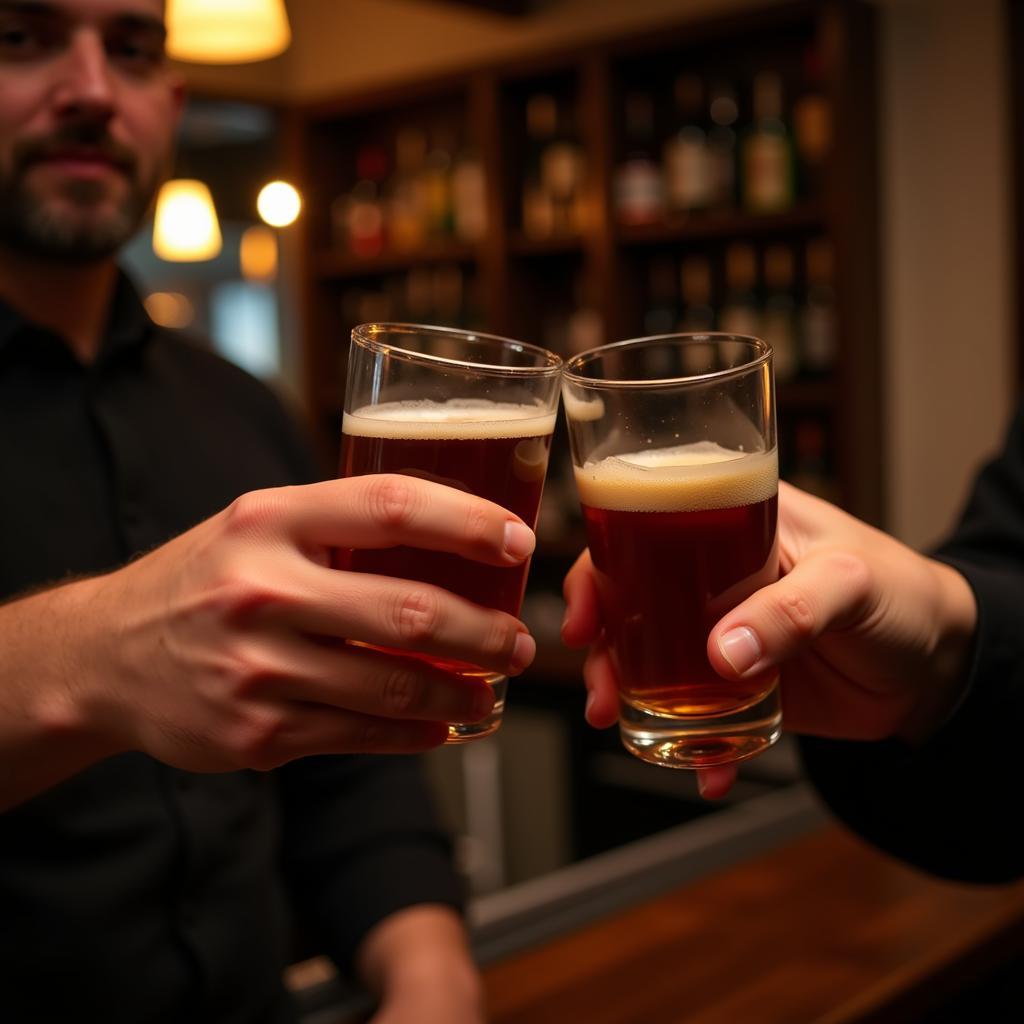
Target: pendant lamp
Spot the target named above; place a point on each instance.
(226, 31)
(185, 227)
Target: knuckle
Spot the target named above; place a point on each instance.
(796, 611)
(477, 526)
(417, 615)
(500, 636)
(367, 735)
(854, 572)
(240, 596)
(401, 692)
(392, 500)
(253, 740)
(250, 512)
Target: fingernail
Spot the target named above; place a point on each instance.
(522, 653)
(590, 703)
(565, 622)
(519, 540)
(741, 648)
(701, 786)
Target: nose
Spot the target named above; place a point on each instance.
(85, 87)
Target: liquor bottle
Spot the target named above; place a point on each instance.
(406, 208)
(362, 211)
(723, 113)
(639, 184)
(437, 186)
(448, 295)
(818, 317)
(812, 126)
(469, 199)
(538, 205)
(561, 172)
(810, 469)
(585, 327)
(779, 319)
(740, 313)
(767, 184)
(698, 315)
(662, 312)
(686, 157)
(419, 295)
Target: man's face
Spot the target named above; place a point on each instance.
(88, 111)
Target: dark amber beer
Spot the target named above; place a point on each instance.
(679, 536)
(498, 451)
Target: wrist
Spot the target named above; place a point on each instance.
(420, 946)
(956, 618)
(71, 703)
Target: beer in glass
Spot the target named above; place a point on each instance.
(467, 410)
(677, 474)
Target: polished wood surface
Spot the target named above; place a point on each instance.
(824, 930)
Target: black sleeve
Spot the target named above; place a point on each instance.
(951, 807)
(361, 841)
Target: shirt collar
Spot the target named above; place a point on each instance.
(128, 323)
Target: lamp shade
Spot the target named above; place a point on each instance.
(185, 227)
(226, 31)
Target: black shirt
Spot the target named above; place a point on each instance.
(134, 892)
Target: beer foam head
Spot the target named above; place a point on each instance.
(686, 478)
(459, 419)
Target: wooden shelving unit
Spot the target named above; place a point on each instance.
(515, 280)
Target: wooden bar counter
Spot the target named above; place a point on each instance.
(823, 930)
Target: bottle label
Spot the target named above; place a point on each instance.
(768, 184)
(687, 175)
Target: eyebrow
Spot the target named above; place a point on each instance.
(126, 19)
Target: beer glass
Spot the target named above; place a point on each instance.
(464, 409)
(674, 451)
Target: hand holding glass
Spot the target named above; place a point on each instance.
(467, 410)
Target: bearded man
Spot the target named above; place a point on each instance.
(174, 689)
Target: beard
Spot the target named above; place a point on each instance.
(83, 223)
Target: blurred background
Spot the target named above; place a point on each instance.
(838, 177)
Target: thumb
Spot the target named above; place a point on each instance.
(826, 590)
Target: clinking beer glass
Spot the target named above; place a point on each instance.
(468, 410)
(674, 449)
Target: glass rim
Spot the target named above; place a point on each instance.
(762, 347)
(366, 336)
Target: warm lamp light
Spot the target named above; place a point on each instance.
(279, 203)
(169, 309)
(226, 31)
(185, 229)
(257, 254)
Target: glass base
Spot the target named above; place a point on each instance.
(701, 741)
(460, 733)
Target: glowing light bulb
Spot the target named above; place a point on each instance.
(279, 203)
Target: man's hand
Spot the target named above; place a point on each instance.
(872, 637)
(223, 649)
(418, 962)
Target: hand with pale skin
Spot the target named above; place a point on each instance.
(222, 649)
(872, 638)
(417, 961)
